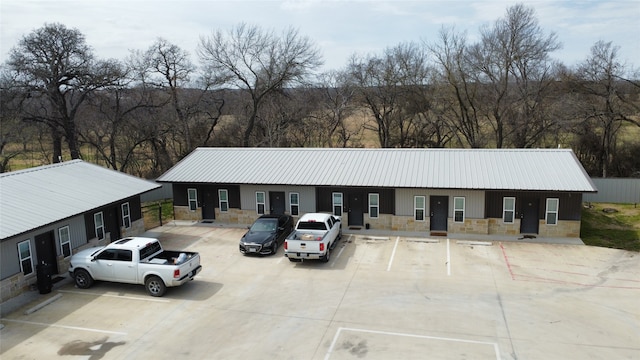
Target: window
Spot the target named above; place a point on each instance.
(125, 255)
(193, 199)
(374, 205)
(126, 216)
(458, 209)
(260, 202)
(419, 207)
(26, 262)
(552, 211)
(294, 204)
(99, 225)
(337, 204)
(223, 199)
(508, 209)
(65, 241)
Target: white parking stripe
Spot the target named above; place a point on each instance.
(448, 259)
(333, 263)
(393, 254)
(116, 296)
(65, 327)
(335, 339)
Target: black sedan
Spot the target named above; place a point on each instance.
(266, 234)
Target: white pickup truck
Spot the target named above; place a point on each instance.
(314, 236)
(135, 260)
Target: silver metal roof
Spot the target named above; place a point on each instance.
(482, 169)
(39, 196)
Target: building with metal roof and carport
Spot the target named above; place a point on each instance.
(49, 212)
(517, 192)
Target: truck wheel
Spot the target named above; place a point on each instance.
(82, 278)
(155, 286)
(326, 256)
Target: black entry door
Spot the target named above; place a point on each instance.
(529, 221)
(208, 204)
(439, 206)
(113, 223)
(46, 250)
(277, 202)
(356, 213)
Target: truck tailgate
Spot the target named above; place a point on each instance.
(189, 268)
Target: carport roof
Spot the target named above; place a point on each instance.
(480, 169)
(39, 196)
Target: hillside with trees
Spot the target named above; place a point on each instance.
(251, 87)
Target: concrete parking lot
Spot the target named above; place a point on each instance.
(380, 297)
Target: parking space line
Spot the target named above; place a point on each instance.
(333, 263)
(448, 259)
(335, 339)
(116, 296)
(393, 254)
(506, 259)
(65, 327)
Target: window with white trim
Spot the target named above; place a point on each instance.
(65, 241)
(337, 204)
(419, 207)
(223, 200)
(98, 223)
(26, 261)
(126, 216)
(192, 195)
(552, 211)
(508, 210)
(458, 209)
(374, 205)
(294, 204)
(260, 202)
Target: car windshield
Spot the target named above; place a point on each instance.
(265, 225)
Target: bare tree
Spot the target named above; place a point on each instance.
(258, 62)
(56, 67)
(388, 86)
(607, 99)
(512, 62)
(337, 108)
(459, 90)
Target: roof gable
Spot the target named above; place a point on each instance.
(39, 196)
(481, 169)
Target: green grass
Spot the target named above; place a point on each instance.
(618, 230)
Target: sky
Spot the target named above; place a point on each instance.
(340, 28)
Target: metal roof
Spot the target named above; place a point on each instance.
(39, 196)
(481, 169)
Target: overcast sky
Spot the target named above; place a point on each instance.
(339, 28)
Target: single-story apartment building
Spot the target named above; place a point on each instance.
(435, 191)
(49, 212)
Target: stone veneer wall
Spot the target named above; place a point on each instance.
(382, 222)
(18, 283)
(469, 226)
(564, 228)
(183, 213)
(408, 223)
(498, 227)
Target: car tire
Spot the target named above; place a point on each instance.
(326, 256)
(274, 248)
(155, 286)
(82, 279)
